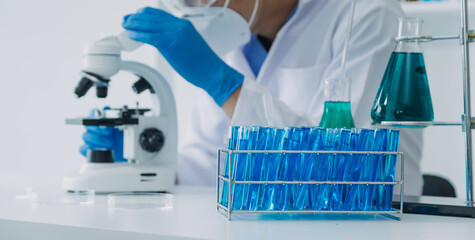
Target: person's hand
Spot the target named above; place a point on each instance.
(186, 51)
(109, 138)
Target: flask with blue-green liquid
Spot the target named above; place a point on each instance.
(337, 107)
(404, 94)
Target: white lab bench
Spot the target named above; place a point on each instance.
(194, 216)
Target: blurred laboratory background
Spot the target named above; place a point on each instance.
(40, 59)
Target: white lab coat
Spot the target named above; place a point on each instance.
(289, 88)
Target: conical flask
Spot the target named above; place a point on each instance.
(337, 108)
(404, 94)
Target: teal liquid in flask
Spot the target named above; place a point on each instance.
(337, 106)
(404, 93)
(337, 114)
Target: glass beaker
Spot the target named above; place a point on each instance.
(337, 108)
(404, 94)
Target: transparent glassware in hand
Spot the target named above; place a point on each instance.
(404, 94)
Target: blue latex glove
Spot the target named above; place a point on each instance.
(103, 138)
(185, 50)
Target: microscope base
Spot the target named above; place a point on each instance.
(121, 177)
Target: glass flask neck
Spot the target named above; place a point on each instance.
(409, 27)
(337, 90)
(408, 47)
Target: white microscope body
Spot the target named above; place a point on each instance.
(150, 142)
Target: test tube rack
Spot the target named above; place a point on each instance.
(396, 211)
(441, 206)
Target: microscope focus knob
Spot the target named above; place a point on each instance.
(152, 140)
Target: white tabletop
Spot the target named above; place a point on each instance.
(194, 216)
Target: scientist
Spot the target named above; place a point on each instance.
(275, 78)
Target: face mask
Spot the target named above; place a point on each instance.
(222, 28)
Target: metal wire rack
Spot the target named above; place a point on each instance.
(394, 213)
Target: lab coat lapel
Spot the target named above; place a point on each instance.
(284, 39)
(238, 61)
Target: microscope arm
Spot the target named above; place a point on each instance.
(162, 99)
(163, 109)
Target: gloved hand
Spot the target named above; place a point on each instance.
(185, 50)
(103, 138)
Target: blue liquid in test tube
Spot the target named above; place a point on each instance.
(315, 191)
(308, 169)
(365, 174)
(349, 170)
(389, 170)
(273, 164)
(379, 169)
(342, 143)
(280, 189)
(239, 169)
(300, 165)
(369, 170)
(289, 165)
(250, 159)
(259, 168)
(232, 144)
(323, 170)
(355, 193)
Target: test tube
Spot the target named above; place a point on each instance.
(355, 193)
(342, 143)
(239, 169)
(232, 145)
(281, 192)
(253, 134)
(381, 163)
(301, 144)
(259, 168)
(322, 191)
(304, 145)
(368, 171)
(274, 162)
(307, 168)
(390, 169)
(351, 170)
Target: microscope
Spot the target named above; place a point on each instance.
(150, 135)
